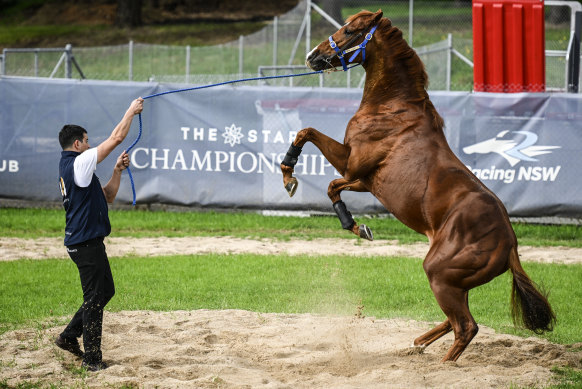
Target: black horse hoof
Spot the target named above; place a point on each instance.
(365, 232)
(291, 186)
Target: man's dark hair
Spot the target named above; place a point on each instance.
(69, 134)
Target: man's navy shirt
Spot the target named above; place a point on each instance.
(86, 209)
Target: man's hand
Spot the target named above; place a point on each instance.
(122, 161)
(120, 131)
(110, 190)
(136, 106)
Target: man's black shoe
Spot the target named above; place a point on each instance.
(70, 345)
(94, 366)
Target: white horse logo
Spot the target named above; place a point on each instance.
(510, 149)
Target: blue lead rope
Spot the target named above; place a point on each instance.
(127, 151)
(204, 87)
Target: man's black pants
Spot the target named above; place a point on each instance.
(97, 283)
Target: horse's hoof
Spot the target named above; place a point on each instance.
(412, 350)
(365, 232)
(291, 186)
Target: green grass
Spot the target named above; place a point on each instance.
(37, 222)
(567, 377)
(17, 33)
(37, 291)
(57, 35)
(423, 9)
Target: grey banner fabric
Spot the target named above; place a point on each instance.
(221, 147)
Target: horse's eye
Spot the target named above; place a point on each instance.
(348, 31)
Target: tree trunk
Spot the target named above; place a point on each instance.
(128, 13)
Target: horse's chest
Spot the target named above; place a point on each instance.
(401, 175)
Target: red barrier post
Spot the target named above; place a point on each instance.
(509, 46)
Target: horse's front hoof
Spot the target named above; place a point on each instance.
(291, 186)
(365, 232)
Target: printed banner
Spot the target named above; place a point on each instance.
(221, 147)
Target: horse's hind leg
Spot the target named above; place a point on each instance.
(346, 219)
(455, 304)
(434, 334)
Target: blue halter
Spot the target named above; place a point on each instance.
(361, 47)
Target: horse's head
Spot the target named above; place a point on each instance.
(350, 40)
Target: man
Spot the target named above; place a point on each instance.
(87, 223)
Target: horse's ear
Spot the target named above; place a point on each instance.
(378, 16)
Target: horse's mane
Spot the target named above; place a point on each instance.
(400, 52)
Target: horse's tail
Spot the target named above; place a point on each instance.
(528, 305)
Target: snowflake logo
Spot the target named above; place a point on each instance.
(232, 135)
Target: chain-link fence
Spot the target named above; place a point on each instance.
(440, 31)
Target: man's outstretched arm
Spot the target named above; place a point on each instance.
(120, 131)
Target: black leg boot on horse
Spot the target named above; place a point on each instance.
(335, 187)
(345, 217)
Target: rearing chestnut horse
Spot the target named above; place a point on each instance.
(395, 148)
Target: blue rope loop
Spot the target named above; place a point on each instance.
(204, 87)
(127, 151)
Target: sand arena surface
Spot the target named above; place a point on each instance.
(43, 248)
(241, 349)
